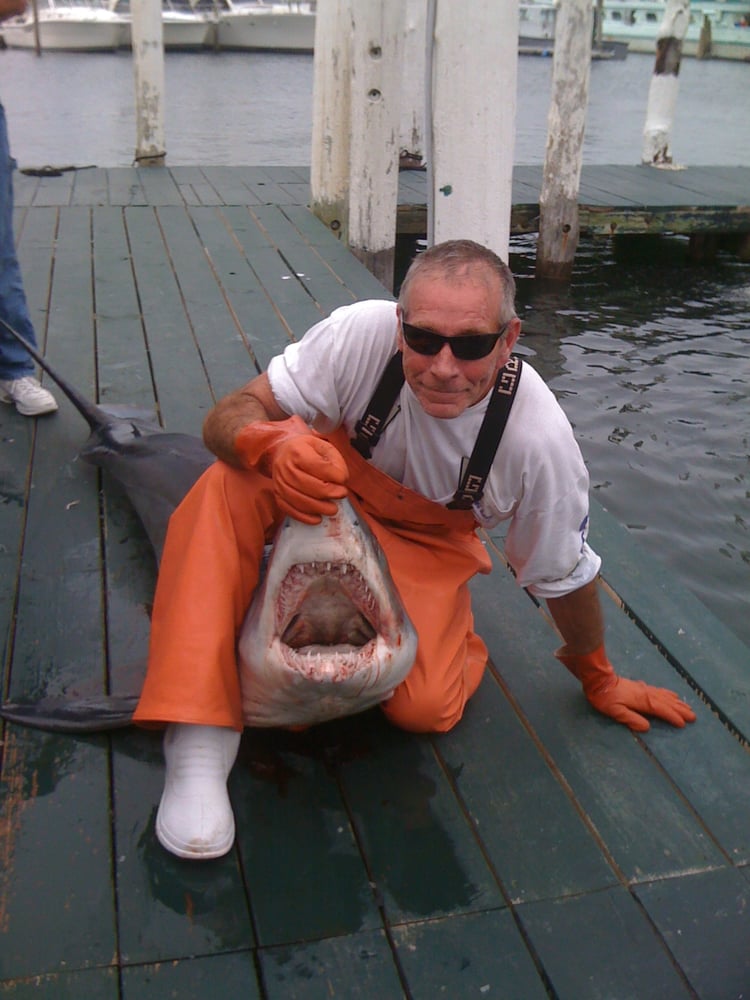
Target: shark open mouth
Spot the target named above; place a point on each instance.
(327, 618)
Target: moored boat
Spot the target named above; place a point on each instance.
(185, 25)
(282, 27)
(719, 29)
(67, 26)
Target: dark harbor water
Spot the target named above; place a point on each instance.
(648, 354)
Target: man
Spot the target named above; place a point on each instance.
(17, 383)
(452, 334)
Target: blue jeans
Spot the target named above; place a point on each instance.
(15, 362)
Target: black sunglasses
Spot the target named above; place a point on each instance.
(465, 347)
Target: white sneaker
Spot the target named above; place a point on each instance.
(29, 397)
(195, 818)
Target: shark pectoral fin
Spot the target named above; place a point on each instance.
(94, 714)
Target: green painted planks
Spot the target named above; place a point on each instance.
(56, 895)
(528, 823)
(706, 650)
(255, 322)
(224, 355)
(705, 921)
(410, 828)
(181, 386)
(231, 977)
(159, 186)
(123, 377)
(480, 954)
(603, 764)
(93, 984)
(601, 945)
(357, 967)
(291, 300)
(168, 909)
(305, 875)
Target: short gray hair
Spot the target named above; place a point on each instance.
(453, 260)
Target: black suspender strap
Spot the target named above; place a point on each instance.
(475, 475)
(372, 424)
(370, 427)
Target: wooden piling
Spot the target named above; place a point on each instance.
(474, 72)
(329, 168)
(374, 134)
(412, 110)
(662, 96)
(558, 201)
(148, 74)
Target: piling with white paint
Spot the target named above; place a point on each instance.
(329, 168)
(474, 62)
(662, 96)
(566, 124)
(377, 30)
(412, 110)
(148, 74)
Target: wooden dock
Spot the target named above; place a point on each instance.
(537, 851)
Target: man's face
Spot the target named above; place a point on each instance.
(444, 385)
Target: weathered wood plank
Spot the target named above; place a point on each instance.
(90, 187)
(94, 984)
(56, 896)
(232, 976)
(258, 322)
(159, 186)
(601, 945)
(476, 955)
(410, 827)
(712, 656)
(523, 813)
(305, 875)
(705, 921)
(356, 967)
(174, 354)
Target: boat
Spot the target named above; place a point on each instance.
(536, 33)
(719, 29)
(68, 26)
(185, 25)
(280, 27)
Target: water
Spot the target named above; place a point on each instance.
(648, 355)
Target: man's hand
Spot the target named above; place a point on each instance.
(308, 473)
(622, 699)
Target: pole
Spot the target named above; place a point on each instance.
(148, 73)
(662, 95)
(329, 166)
(566, 122)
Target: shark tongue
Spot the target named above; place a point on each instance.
(326, 617)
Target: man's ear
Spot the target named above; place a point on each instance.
(512, 333)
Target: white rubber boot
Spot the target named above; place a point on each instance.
(195, 818)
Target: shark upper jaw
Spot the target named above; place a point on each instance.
(326, 634)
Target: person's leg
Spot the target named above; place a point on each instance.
(17, 382)
(209, 570)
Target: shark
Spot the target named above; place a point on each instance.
(326, 633)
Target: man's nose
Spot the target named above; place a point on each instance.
(444, 362)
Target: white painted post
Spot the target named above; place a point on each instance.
(373, 181)
(662, 95)
(474, 73)
(566, 122)
(329, 168)
(411, 140)
(148, 73)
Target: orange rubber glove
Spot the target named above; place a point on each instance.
(623, 699)
(308, 473)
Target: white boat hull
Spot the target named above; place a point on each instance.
(638, 22)
(72, 29)
(277, 27)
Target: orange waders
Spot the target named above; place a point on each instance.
(210, 569)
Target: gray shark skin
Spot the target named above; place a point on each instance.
(325, 635)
